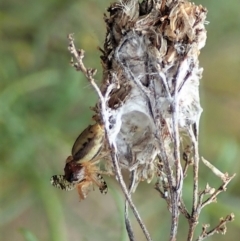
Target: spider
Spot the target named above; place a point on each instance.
(81, 176)
(80, 169)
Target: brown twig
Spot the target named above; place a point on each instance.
(187, 159)
(224, 177)
(213, 197)
(183, 210)
(195, 211)
(220, 228)
(127, 196)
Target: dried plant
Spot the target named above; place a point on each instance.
(149, 104)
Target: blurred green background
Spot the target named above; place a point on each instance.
(44, 105)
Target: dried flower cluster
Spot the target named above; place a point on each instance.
(149, 102)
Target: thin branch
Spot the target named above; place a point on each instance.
(225, 178)
(127, 196)
(188, 161)
(207, 191)
(127, 220)
(220, 228)
(195, 210)
(128, 223)
(177, 190)
(183, 210)
(174, 218)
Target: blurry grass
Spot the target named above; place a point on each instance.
(44, 105)
(28, 235)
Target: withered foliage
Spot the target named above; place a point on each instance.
(149, 102)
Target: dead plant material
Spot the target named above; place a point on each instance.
(149, 101)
